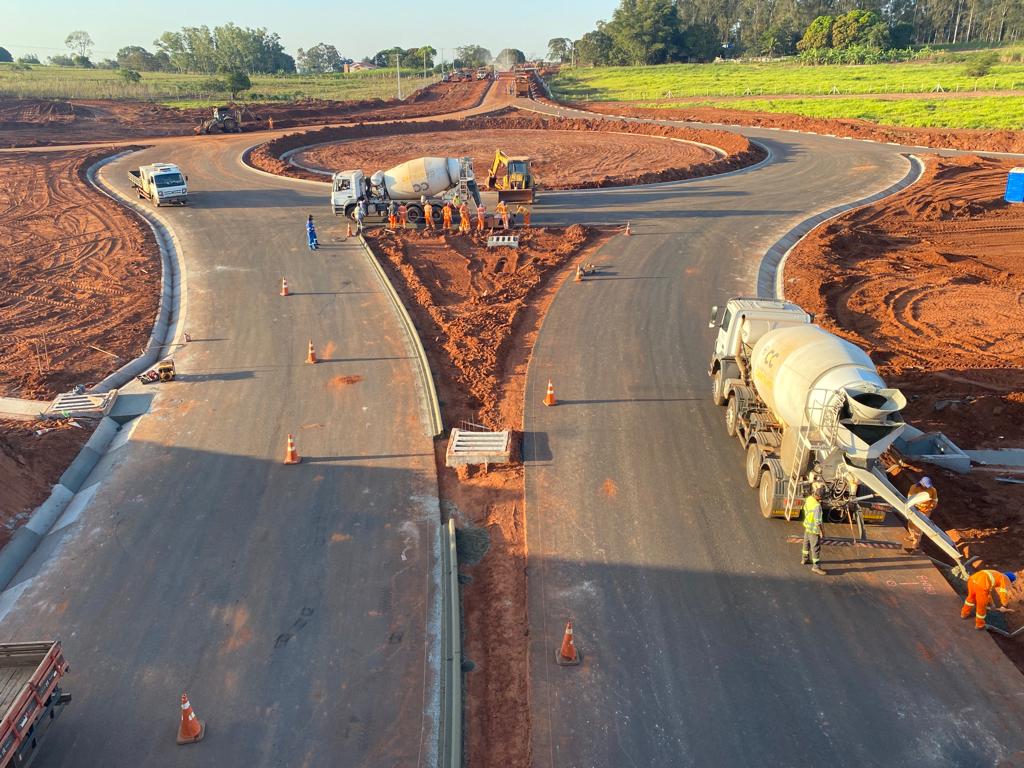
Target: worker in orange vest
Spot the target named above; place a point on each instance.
(428, 215)
(403, 215)
(446, 216)
(502, 210)
(481, 217)
(464, 219)
(979, 594)
(913, 538)
(524, 211)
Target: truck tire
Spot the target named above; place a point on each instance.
(753, 465)
(732, 416)
(717, 384)
(414, 215)
(766, 493)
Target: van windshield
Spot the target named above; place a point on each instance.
(165, 180)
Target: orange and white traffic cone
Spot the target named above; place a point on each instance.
(284, 287)
(291, 456)
(579, 275)
(192, 729)
(311, 354)
(549, 398)
(567, 655)
(348, 229)
(628, 231)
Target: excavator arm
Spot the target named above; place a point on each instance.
(500, 161)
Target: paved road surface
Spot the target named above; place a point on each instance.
(297, 605)
(704, 641)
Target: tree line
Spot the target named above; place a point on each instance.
(660, 31)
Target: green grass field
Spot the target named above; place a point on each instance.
(182, 90)
(986, 112)
(775, 78)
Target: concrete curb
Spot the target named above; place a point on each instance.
(450, 747)
(171, 310)
(772, 266)
(433, 405)
(167, 325)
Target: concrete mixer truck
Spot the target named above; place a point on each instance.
(809, 407)
(436, 179)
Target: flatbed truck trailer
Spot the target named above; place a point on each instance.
(31, 698)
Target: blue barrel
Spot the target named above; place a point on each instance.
(1015, 185)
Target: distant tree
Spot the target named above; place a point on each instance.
(138, 58)
(645, 31)
(852, 28)
(559, 48)
(319, 59)
(130, 76)
(776, 41)
(5, 55)
(237, 81)
(82, 61)
(60, 60)
(226, 48)
(108, 64)
(593, 49)
(901, 34)
(700, 42)
(211, 85)
(29, 58)
(409, 58)
(818, 34)
(509, 56)
(473, 56)
(79, 42)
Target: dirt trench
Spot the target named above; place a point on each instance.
(478, 312)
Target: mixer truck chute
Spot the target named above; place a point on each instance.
(435, 178)
(809, 407)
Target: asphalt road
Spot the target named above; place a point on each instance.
(704, 641)
(297, 605)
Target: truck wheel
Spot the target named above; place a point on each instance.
(766, 494)
(732, 416)
(753, 464)
(717, 383)
(414, 215)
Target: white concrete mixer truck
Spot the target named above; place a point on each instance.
(435, 179)
(809, 407)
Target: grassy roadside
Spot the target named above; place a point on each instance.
(733, 78)
(983, 112)
(185, 90)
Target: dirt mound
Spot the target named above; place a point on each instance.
(79, 276)
(969, 140)
(478, 312)
(738, 151)
(31, 463)
(559, 159)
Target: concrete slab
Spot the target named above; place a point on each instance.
(25, 410)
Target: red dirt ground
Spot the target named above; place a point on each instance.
(604, 135)
(78, 274)
(559, 159)
(36, 122)
(478, 313)
(970, 140)
(931, 283)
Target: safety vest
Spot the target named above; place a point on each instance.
(812, 515)
(994, 580)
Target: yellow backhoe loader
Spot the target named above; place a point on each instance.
(517, 184)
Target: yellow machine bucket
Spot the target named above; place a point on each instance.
(515, 195)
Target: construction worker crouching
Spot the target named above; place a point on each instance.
(524, 211)
(913, 538)
(813, 517)
(979, 594)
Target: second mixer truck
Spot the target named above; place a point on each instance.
(809, 408)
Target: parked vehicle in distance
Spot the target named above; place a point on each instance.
(161, 183)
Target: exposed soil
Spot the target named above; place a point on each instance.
(604, 136)
(559, 159)
(478, 313)
(970, 140)
(30, 464)
(931, 283)
(78, 274)
(35, 122)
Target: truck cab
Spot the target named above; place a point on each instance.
(759, 316)
(346, 189)
(162, 183)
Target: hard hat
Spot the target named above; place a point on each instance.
(1011, 576)
(926, 482)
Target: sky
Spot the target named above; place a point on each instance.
(356, 29)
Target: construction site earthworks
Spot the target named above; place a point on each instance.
(926, 278)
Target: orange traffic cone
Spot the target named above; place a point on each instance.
(348, 229)
(567, 655)
(549, 398)
(311, 354)
(579, 274)
(192, 729)
(284, 287)
(291, 456)
(627, 233)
